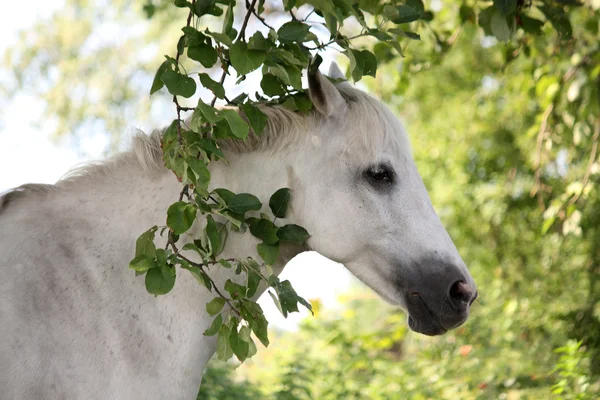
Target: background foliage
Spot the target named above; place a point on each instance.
(503, 115)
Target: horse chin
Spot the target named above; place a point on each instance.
(421, 319)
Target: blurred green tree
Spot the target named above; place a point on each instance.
(503, 102)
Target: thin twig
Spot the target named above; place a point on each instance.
(212, 282)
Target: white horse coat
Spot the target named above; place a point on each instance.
(76, 323)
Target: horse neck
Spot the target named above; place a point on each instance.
(124, 201)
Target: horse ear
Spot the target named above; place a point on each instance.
(324, 95)
(336, 73)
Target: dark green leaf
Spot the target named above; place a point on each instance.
(256, 118)
(292, 233)
(500, 27)
(160, 280)
(144, 245)
(236, 291)
(531, 25)
(406, 14)
(559, 19)
(180, 217)
(157, 84)
(279, 202)
(293, 31)
(215, 306)
(211, 85)
(209, 112)
(366, 64)
(225, 194)
(244, 202)
(268, 252)
(506, 7)
(466, 14)
(259, 327)
(253, 282)
(142, 263)
(238, 345)
(259, 42)
(178, 84)
(202, 174)
(245, 60)
(214, 236)
(214, 326)
(221, 38)
(204, 54)
(263, 229)
(200, 275)
(238, 126)
(272, 86)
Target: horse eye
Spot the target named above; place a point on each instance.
(381, 174)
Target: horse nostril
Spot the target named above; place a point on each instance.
(460, 294)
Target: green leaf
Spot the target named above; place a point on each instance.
(245, 60)
(531, 25)
(224, 351)
(236, 291)
(178, 84)
(209, 112)
(224, 194)
(259, 42)
(160, 280)
(212, 85)
(466, 14)
(406, 14)
(253, 281)
(272, 86)
(201, 172)
(263, 229)
(499, 26)
(142, 263)
(245, 333)
(214, 326)
(238, 126)
(157, 84)
(366, 64)
(214, 236)
(293, 31)
(268, 252)
(279, 202)
(201, 7)
(144, 245)
(243, 202)
(180, 217)
(215, 306)
(292, 233)
(228, 19)
(256, 118)
(200, 275)
(506, 7)
(204, 54)
(277, 303)
(485, 19)
(238, 345)
(221, 38)
(559, 20)
(259, 327)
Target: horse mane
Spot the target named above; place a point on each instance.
(284, 128)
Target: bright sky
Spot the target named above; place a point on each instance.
(313, 276)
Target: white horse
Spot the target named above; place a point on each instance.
(76, 323)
